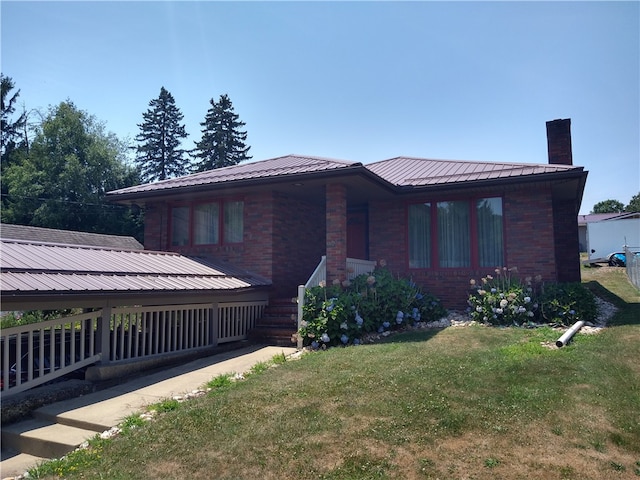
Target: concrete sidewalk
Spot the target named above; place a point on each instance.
(60, 427)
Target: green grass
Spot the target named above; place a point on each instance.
(472, 402)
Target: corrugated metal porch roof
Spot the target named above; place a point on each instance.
(28, 267)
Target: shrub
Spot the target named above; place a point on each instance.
(506, 300)
(503, 299)
(567, 303)
(341, 314)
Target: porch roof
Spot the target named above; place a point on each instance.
(31, 267)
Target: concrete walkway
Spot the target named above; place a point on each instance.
(60, 427)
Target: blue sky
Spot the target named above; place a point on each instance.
(360, 81)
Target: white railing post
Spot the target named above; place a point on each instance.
(104, 334)
(213, 324)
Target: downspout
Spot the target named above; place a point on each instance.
(564, 339)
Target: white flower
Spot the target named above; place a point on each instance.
(325, 338)
(527, 299)
(503, 303)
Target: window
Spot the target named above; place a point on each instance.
(207, 223)
(419, 235)
(490, 242)
(233, 223)
(453, 234)
(179, 225)
(456, 234)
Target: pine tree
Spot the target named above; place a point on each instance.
(10, 130)
(222, 143)
(159, 155)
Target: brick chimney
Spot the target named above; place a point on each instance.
(559, 142)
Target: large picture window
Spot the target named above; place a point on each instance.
(207, 223)
(456, 234)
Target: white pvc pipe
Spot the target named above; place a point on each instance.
(564, 339)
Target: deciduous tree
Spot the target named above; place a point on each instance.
(608, 206)
(159, 155)
(63, 180)
(223, 142)
(634, 204)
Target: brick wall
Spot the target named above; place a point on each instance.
(567, 246)
(529, 242)
(299, 233)
(336, 232)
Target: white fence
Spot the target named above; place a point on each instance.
(41, 352)
(632, 260)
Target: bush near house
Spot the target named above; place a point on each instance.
(377, 302)
(504, 299)
(341, 314)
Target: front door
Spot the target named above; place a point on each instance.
(357, 235)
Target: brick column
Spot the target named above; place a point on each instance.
(336, 198)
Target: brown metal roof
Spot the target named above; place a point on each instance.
(407, 171)
(28, 267)
(396, 173)
(53, 235)
(275, 167)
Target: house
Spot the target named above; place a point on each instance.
(440, 222)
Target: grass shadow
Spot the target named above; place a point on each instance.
(628, 312)
(411, 336)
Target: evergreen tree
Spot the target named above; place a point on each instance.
(10, 131)
(222, 143)
(159, 155)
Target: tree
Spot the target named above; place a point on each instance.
(222, 143)
(159, 155)
(63, 180)
(634, 204)
(608, 206)
(10, 131)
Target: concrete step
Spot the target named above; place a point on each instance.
(43, 439)
(15, 464)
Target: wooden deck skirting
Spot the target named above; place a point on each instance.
(38, 353)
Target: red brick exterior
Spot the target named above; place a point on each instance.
(284, 238)
(529, 240)
(336, 228)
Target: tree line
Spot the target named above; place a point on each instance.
(56, 171)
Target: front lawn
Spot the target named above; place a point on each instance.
(471, 402)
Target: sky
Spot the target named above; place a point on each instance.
(359, 81)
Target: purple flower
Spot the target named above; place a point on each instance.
(344, 339)
(386, 324)
(325, 338)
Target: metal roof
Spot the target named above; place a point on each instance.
(275, 167)
(397, 173)
(417, 172)
(53, 235)
(28, 267)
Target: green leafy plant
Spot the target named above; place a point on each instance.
(503, 299)
(565, 303)
(376, 302)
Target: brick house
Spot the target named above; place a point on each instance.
(440, 222)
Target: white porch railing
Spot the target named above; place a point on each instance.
(38, 353)
(355, 267)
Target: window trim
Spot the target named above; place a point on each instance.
(474, 254)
